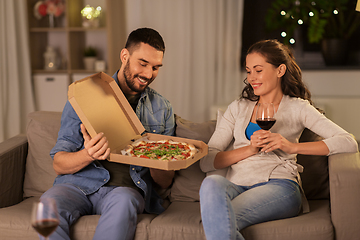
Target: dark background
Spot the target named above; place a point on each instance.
(254, 30)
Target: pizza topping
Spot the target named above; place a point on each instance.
(161, 150)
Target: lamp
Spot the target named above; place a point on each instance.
(358, 6)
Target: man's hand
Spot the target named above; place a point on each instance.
(97, 147)
(162, 177)
(71, 162)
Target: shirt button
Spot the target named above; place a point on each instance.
(154, 130)
(133, 169)
(138, 182)
(104, 180)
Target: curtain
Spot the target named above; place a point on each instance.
(201, 66)
(16, 98)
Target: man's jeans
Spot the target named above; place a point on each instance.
(227, 208)
(118, 207)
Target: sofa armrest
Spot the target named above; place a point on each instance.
(13, 153)
(344, 176)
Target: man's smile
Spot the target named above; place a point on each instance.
(142, 81)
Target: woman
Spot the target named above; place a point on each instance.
(263, 187)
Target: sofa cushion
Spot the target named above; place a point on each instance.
(187, 181)
(85, 227)
(182, 220)
(42, 131)
(315, 225)
(193, 130)
(315, 177)
(15, 221)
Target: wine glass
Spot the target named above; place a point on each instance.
(44, 217)
(265, 116)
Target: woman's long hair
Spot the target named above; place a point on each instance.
(276, 54)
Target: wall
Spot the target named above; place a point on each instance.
(337, 92)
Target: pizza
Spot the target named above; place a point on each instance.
(164, 150)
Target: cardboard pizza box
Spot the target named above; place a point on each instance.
(102, 107)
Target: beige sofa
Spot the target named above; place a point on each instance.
(26, 172)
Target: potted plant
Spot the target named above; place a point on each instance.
(90, 58)
(330, 23)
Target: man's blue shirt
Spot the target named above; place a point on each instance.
(156, 115)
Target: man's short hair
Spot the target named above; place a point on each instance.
(145, 35)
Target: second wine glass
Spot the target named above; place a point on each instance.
(44, 217)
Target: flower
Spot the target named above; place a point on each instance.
(49, 7)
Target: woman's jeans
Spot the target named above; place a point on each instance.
(227, 208)
(118, 207)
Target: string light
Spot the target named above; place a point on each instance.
(283, 34)
(336, 12)
(311, 14)
(300, 22)
(292, 41)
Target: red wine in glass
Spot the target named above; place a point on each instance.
(45, 227)
(44, 217)
(266, 123)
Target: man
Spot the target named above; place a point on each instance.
(89, 184)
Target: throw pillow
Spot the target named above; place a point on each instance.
(187, 181)
(315, 177)
(223, 171)
(42, 131)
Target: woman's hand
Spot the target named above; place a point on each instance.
(269, 142)
(257, 141)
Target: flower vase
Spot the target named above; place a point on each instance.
(51, 21)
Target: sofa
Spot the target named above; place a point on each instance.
(332, 186)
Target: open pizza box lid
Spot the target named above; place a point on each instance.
(102, 107)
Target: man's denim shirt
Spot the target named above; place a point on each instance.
(156, 115)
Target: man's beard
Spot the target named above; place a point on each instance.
(130, 80)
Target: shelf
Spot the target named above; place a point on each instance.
(46, 29)
(84, 71)
(81, 29)
(42, 71)
(64, 29)
(69, 39)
